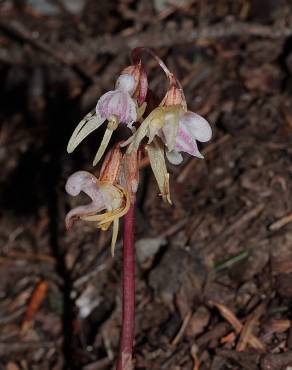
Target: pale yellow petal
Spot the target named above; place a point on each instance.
(139, 136)
(104, 143)
(141, 111)
(118, 213)
(114, 236)
(170, 128)
(95, 218)
(110, 216)
(87, 125)
(155, 126)
(155, 152)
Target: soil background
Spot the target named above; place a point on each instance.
(214, 270)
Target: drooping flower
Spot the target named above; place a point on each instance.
(177, 128)
(192, 128)
(105, 193)
(121, 105)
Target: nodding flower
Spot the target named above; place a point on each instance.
(178, 128)
(171, 128)
(117, 106)
(106, 195)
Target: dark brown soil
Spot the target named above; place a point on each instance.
(214, 271)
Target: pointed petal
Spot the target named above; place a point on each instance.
(104, 143)
(88, 124)
(141, 111)
(139, 135)
(149, 127)
(197, 126)
(155, 127)
(170, 128)
(114, 236)
(174, 157)
(155, 152)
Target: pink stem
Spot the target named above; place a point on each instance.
(128, 323)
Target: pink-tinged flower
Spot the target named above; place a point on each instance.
(106, 195)
(119, 102)
(170, 130)
(178, 128)
(116, 106)
(191, 128)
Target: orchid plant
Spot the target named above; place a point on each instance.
(159, 132)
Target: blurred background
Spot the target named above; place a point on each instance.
(214, 270)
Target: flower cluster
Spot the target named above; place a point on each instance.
(162, 131)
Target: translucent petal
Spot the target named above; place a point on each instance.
(187, 145)
(126, 82)
(139, 135)
(149, 127)
(197, 126)
(155, 152)
(104, 143)
(118, 103)
(86, 182)
(87, 125)
(174, 157)
(170, 128)
(141, 111)
(114, 236)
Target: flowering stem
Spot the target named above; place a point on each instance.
(172, 79)
(128, 321)
(135, 58)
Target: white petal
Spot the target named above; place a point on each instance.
(126, 82)
(198, 127)
(174, 157)
(88, 124)
(170, 128)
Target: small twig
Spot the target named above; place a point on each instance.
(194, 354)
(35, 302)
(71, 53)
(11, 347)
(237, 325)
(182, 329)
(247, 329)
(169, 37)
(277, 225)
(17, 31)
